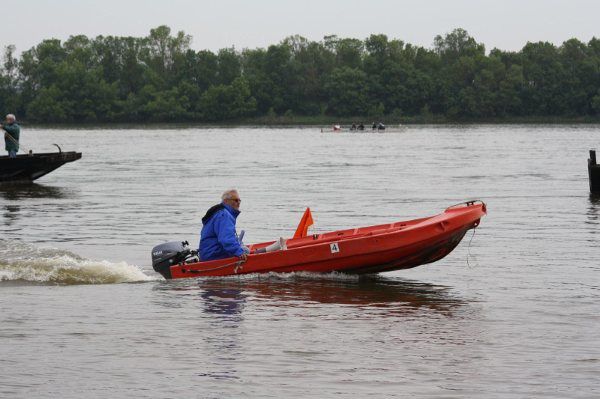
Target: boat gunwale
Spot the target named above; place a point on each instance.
(42, 155)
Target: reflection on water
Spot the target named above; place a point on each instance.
(225, 301)
(21, 193)
(18, 191)
(595, 202)
(223, 306)
(593, 214)
(227, 296)
(11, 213)
(304, 315)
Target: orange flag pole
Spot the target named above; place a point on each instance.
(305, 223)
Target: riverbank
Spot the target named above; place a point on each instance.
(414, 120)
(326, 121)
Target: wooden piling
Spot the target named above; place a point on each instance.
(594, 173)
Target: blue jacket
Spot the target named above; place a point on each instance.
(218, 239)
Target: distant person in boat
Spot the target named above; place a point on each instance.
(11, 135)
(374, 126)
(218, 239)
(361, 126)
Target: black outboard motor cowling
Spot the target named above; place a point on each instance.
(168, 254)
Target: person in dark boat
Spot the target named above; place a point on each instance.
(11, 135)
(361, 126)
(218, 239)
(374, 126)
(353, 127)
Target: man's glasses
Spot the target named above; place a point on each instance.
(235, 200)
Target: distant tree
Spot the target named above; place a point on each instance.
(313, 63)
(348, 92)
(581, 76)
(226, 102)
(161, 51)
(544, 75)
(9, 94)
(229, 66)
(49, 106)
(457, 44)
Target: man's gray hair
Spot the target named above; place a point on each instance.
(11, 117)
(229, 193)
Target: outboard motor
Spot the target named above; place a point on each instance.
(171, 253)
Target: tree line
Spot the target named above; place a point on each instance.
(159, 78)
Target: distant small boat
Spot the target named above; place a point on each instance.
(29, 167)
(364, 250)
(368, 129)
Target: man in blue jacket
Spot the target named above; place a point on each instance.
(218, 238)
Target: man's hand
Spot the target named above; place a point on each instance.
(243, 256)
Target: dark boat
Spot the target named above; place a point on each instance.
(29, 167)
(594, 173)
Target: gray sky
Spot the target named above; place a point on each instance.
(505, 24)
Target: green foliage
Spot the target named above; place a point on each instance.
(49, 106)
(229, 66)
(347, 89)
(227, 102)
(159, 78)
(456, 45)
(9, 95)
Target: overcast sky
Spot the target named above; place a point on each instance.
(505, 24)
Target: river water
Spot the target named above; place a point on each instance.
(513, 312)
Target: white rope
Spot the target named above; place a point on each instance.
(238, 265)
(469, 247)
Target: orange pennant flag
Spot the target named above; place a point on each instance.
(305, 223)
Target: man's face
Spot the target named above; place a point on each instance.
(9, 120)
(234, 201)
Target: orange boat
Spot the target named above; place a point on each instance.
(364, 250)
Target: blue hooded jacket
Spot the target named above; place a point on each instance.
(218, 239)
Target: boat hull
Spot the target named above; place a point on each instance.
(27, 168)
(367, 250)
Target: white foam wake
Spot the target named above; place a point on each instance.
(23, 262)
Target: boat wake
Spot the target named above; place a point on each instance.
(20, 262)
